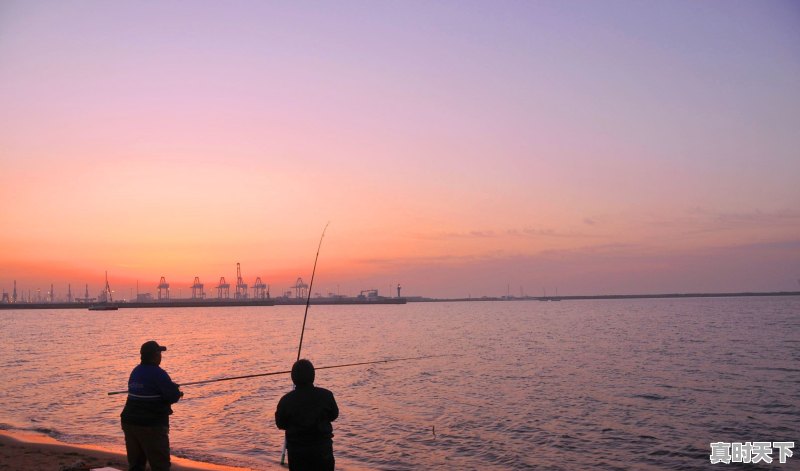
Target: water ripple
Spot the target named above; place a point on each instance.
(601, 385)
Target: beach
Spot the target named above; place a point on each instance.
(25, 451)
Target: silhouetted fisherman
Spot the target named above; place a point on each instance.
(145, 418)
(306, 415)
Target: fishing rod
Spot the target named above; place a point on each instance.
(273, 373)
(305, 316)
(310, 286)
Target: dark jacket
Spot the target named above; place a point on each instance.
(150, 394)
(306, 414)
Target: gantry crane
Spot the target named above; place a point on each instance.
(300, 288)
(241, 286)
(197, 289)
(260, 289)
(163, 286)
(223, 289)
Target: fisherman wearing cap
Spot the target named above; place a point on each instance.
(145, 418)
(306, 414)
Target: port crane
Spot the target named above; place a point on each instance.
(163, 286)
(241, 286)
(105, 295)
(223, 289)
(260, 289)
(301, 288)
(197, 289)
(85, 298)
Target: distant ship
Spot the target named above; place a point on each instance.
(103, 307)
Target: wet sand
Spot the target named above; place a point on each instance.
(25, 452)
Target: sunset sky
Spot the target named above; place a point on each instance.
(458, 148)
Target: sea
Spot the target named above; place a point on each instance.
(639, 384)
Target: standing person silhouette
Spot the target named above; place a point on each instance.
(145, 418)
(306, 414)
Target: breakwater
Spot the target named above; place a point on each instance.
(173, 303)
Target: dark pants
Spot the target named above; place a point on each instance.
(311, 458)
(145, 444)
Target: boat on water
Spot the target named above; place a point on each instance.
(105, 301)
(103, 307)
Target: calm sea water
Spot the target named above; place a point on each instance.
(629, 384)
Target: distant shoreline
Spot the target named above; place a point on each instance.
(613, 296)
(381, 301)
(207, 303)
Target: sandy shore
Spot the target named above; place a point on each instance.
(22, 451)
(26, 452)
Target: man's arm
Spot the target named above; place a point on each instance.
(333, 408)
(280, 415)
(169, 390)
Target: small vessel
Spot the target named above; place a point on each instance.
(105, 301)
(103, 307)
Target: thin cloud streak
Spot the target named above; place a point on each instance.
(607, 269)
(527, 232)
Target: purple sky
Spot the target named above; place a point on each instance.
(457, 147)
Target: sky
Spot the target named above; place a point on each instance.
(457, 148)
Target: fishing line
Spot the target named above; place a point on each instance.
(273, 373)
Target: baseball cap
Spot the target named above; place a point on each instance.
(151, 346)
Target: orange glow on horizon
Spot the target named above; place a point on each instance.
(450, 163)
